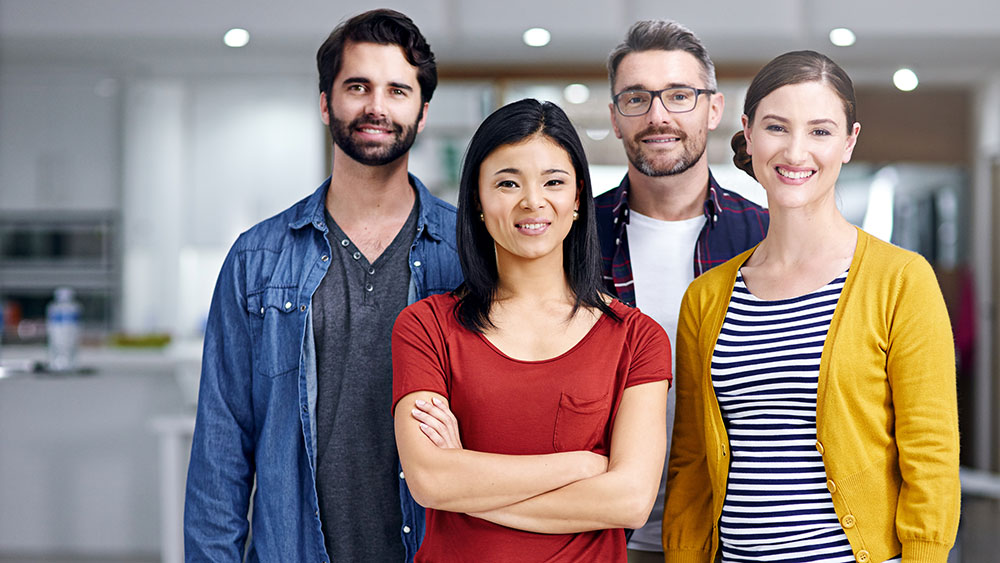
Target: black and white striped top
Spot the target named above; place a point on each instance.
(765, 369)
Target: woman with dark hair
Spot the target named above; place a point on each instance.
(528, 404)
(816, 413)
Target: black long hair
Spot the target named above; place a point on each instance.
(509, 125)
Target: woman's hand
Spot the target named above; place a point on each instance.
(438, 423)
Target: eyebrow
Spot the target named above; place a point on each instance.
(811, 122)
(516, 171)
(643, 87)
(363, 80)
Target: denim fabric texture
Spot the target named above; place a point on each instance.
(255, 433)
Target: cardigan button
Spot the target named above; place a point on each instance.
(848, 521)
(862, 556)
(819, 447)
(831, 486)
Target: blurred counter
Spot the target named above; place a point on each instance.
(82, 461)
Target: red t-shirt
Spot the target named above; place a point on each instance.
(510, 406)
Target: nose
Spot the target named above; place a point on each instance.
(375, 104)
(658, 112)
(532, 197)
(795, 149)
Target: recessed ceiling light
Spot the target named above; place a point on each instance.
(576, 93)
(905, 79)
(536, 37)
(842, 37)
(236, 37)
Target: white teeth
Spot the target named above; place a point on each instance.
(532, 226)
(794, 175)
(367, 130)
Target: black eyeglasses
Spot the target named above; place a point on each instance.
(679, 99)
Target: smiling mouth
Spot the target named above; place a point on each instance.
(794, 175)
(531, 226)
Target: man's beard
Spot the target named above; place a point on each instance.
(692, 153)
(372, 154)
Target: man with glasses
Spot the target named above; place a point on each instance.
(668, 207)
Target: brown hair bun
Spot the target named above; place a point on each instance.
(741, 158)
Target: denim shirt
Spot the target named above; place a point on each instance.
(257, 399)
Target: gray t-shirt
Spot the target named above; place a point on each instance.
(353, 311)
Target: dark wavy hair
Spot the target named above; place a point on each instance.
(385, 27)
(509, 125)
(794, 67)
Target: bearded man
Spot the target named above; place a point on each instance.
(668, 221)
(296, 384)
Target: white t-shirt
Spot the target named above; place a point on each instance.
(662, 258)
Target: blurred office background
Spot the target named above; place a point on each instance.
(135, 145)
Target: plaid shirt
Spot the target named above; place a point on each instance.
(734, 224)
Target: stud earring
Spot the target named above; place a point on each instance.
(482, 217)
(576, 214)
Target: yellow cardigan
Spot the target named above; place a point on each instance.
(886, 413)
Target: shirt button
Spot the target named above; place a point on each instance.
(819, 448)
(305, 408)
(261, 310)
(400, 474)
(615, 221)
(302, 308)
(618, 241)
(288, 305)
(345, 242)
(356, 255)
(406, 529)
(848, 521)
(325, 258)
(371, 271)
(862, 556)
(416, 263)
(831, 486)
(369, 287)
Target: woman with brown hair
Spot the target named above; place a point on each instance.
(816, 410)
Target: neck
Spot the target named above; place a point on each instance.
(669, 198)
(536, 280)
(358, 191)
(801, 235)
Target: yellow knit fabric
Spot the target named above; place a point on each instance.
(886, 413)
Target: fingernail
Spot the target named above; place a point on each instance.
(421, 403)
(437, 401)
(415, 411)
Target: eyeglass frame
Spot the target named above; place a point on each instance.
(658, 94)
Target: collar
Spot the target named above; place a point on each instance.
(312, 210)
(711, 209)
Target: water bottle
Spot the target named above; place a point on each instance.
(63, 328)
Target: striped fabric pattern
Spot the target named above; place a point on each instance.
(765, 369)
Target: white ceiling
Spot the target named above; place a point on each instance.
(953, 42)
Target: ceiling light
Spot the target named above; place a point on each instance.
(576, 93)
(236, 37)
(842, 37)
(598, 134)
(537, 37)
(905, 79)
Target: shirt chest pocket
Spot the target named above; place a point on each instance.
(276, 321)
(581, 423)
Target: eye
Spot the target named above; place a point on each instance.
(356, 88)
(680, 96)
(507, 185)
(775, 128)
(555, 183)
(397, 92)
(821, 132)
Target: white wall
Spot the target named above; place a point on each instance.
(205, 159)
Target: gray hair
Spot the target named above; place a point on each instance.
(661, 35)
